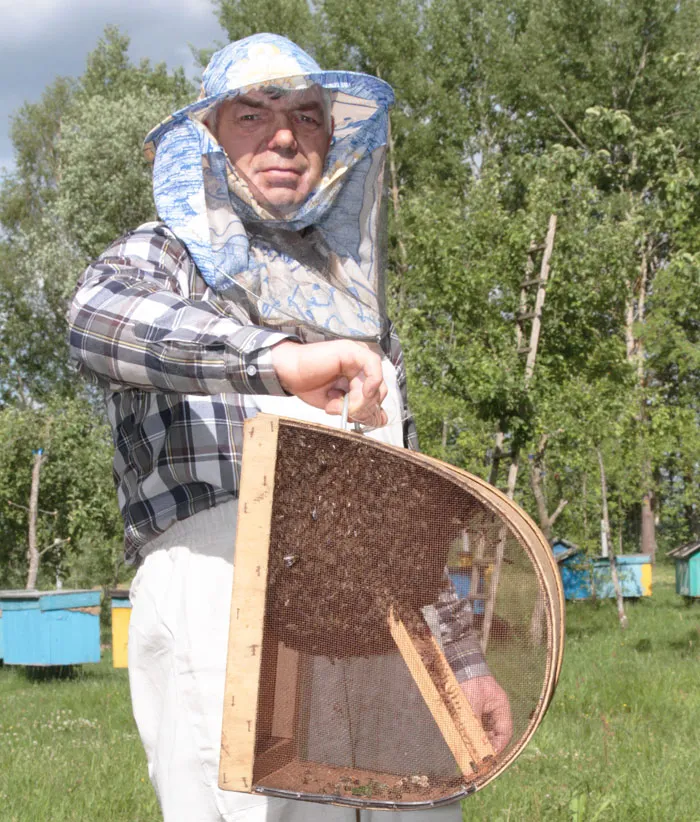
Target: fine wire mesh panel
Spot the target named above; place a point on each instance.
(359, 569)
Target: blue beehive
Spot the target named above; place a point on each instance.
(633, 571)
(687, 558)
(50, 627)
(462, 580)
(575, 569)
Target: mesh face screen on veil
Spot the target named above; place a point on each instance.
(338, 689)
(318, 270)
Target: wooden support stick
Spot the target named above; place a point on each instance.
(460, 727)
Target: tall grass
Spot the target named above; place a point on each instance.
(621, 740)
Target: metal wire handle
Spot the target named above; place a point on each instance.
(344, 416)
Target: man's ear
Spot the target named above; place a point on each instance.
(330, 133)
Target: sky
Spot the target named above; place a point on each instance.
(44, 39)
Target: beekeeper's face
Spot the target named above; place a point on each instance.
(278, 142)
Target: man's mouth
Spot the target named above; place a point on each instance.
(282, 171)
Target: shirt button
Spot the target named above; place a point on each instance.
(251, 370)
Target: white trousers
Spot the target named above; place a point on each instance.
(178, 638)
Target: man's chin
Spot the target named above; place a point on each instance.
(283, 202)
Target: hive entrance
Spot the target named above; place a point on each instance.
(338, 688)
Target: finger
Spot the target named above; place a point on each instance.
(342, 384)
(370, 416)
(368, 367)
(335, 405)
(501, 727)
(498, 740)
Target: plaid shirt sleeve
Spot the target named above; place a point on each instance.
(459, 639)
(410, 435)
(455, 617)
(133, 322)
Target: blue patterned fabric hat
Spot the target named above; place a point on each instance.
(202, 198)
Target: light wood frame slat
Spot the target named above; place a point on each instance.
(465, 736)
(248, 605)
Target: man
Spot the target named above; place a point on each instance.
(261, 289)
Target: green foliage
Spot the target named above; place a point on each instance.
(291, 18)
(76, 493)
(506, 113)
(80, 181)
(106, 182)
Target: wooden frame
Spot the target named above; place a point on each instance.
(250, 715)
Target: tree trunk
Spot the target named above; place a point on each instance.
(496, 460)
(611, 554)
(546, 519)
(648, 539)
(33, 554)
(531, 352)
(539, 299)
(635, 355)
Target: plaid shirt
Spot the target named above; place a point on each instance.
(179, 364)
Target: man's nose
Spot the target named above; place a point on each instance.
(282, 134)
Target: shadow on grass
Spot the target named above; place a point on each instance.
(50, 673)
(56, 673)
(688, 644)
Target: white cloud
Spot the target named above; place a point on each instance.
(26, 19)
(44, 39)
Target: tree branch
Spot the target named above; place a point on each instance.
(555, 516)
(536, 485)
(40, 510)
(54, 544)
(638, 73)
(568, 127)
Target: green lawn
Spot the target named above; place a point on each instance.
(621, 740)
(69, 749)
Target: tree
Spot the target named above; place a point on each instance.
(80, 181)
(76, 502)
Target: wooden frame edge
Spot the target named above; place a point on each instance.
(247, 614)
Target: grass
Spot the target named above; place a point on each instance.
(621, 740)
(69, 750)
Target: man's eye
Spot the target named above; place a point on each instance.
(307, 119)
(249, 117)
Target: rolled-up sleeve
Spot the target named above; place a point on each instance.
(130, 324)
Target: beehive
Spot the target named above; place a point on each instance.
(337, 688)
(687, 562)
(121, 616)
(47, 628)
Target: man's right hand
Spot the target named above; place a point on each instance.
(322, 373)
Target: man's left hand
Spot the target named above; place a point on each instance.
(490, 704)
